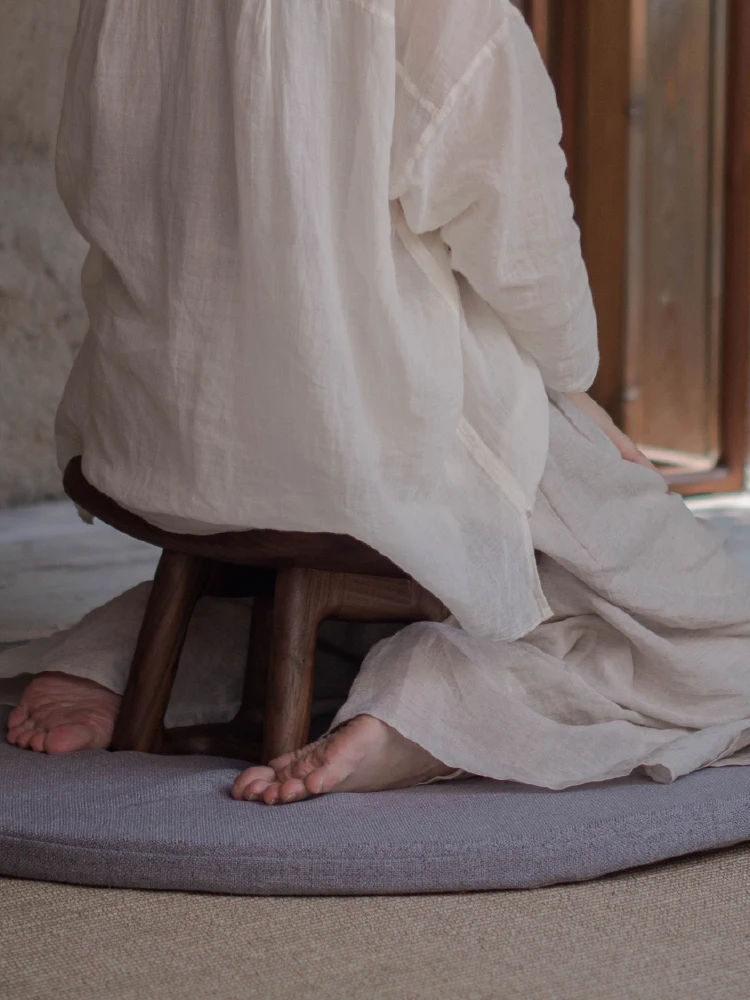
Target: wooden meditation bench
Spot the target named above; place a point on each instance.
(298, 580)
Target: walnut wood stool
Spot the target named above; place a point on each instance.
(298, 580)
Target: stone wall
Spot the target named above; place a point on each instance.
(41, 314)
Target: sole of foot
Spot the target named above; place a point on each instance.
(59, 713)
(364, 755)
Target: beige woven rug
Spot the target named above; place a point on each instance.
(679, 931)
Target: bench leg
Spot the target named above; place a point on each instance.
(302, 600)
(180, 580)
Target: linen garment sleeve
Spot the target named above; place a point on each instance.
(489, 174)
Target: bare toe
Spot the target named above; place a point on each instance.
(272, 794)
(321, 780)
(252, 776)
(293, 790)
(24, 738)
(37, 742)
(19, 715)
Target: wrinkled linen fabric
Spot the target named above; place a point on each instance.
(645, 662)
(333, 267)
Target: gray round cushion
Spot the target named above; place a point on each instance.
(142, 821)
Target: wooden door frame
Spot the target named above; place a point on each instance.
(735, 367)
(586, 44)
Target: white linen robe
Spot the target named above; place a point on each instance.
(333, 268)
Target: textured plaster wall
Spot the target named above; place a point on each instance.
(41, 314)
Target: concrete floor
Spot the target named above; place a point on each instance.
(54, 568)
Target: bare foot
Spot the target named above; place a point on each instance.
(365, 755)
(59, 713)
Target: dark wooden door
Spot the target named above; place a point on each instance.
(655, 96)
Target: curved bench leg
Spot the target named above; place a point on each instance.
(180, 580)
